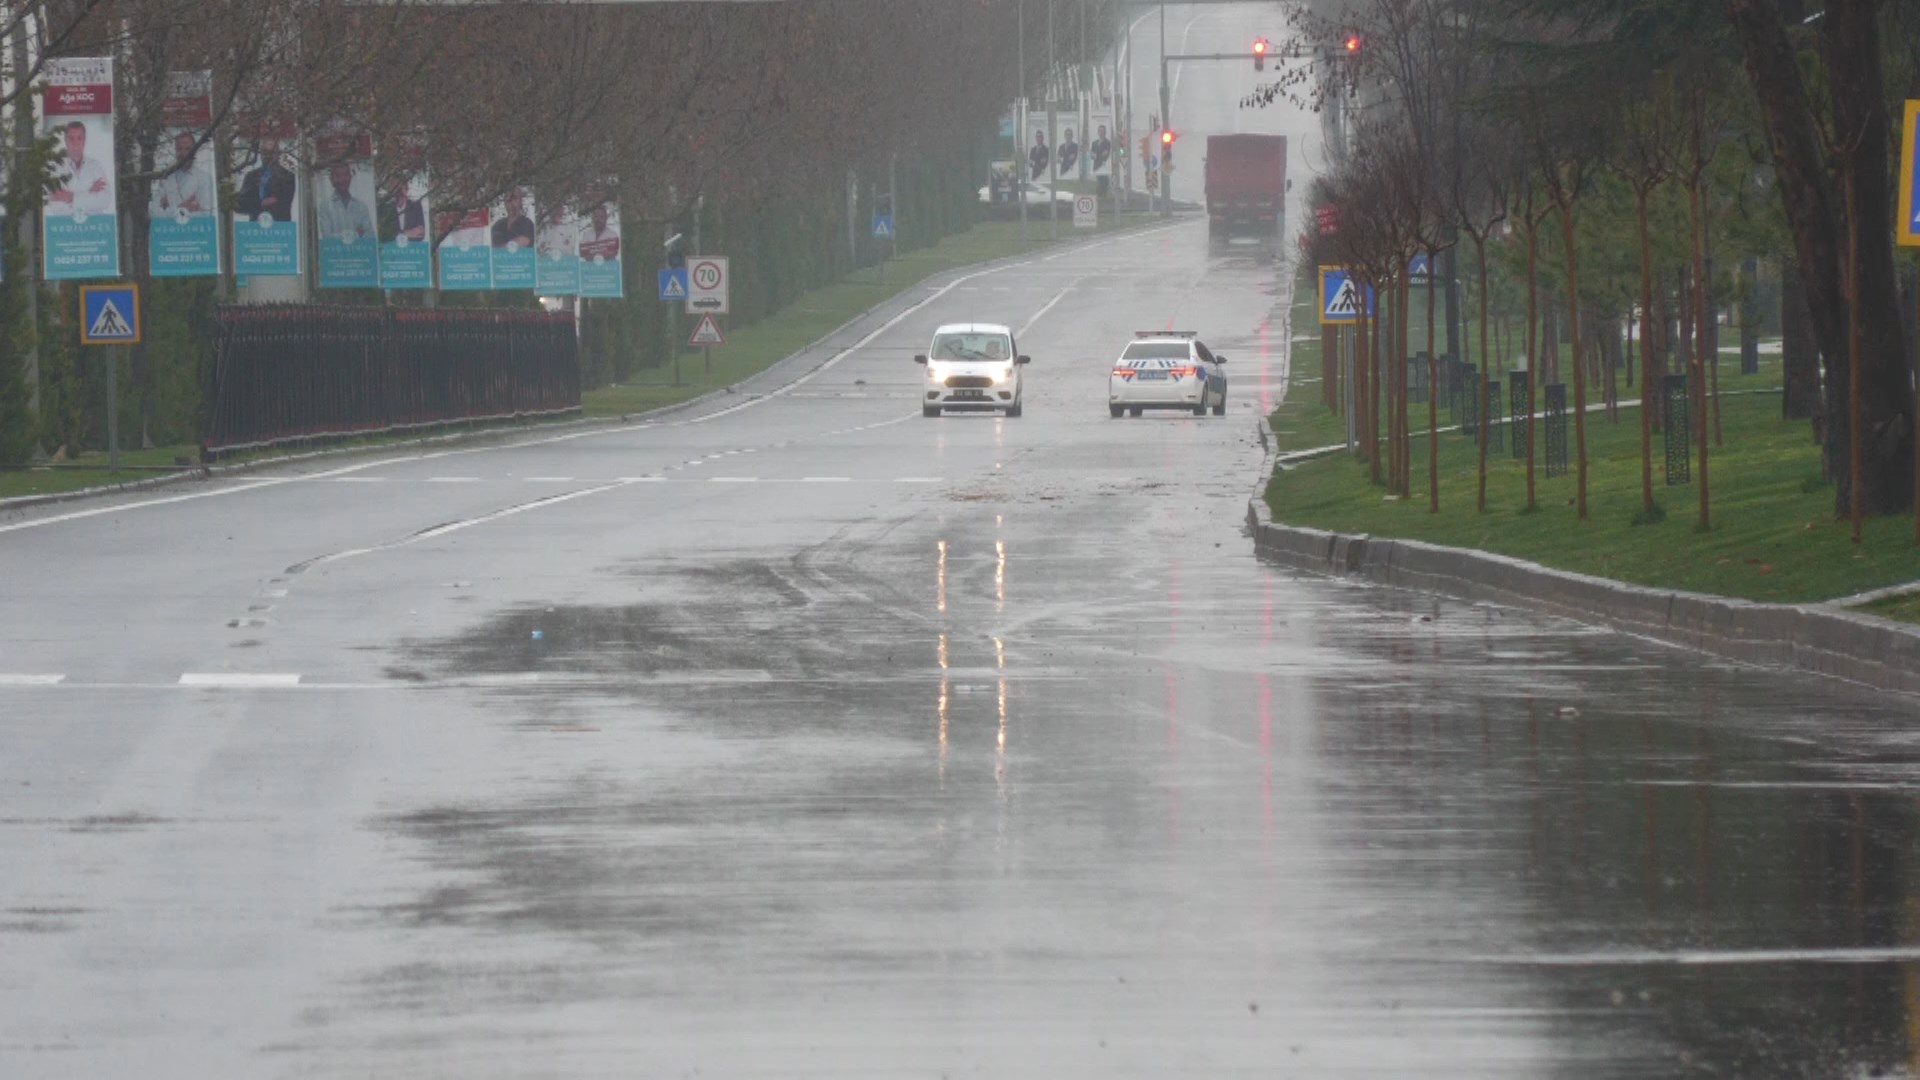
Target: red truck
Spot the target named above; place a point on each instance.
(1246, 189)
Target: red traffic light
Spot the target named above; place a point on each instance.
(1167, 137)
(1353, 43)
(1259, 54)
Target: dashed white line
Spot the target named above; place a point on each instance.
(826, 479)
(238, 681)
(31, 680)
(734, 480)
(549, 479)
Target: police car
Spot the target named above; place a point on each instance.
(972, 366)
(1167, 369)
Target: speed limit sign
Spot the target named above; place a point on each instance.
(1086, 212)
(709, 286)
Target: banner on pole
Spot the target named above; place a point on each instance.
(1907, 228)
(406, 256)
(466, 254)
(600, 261)
(266, 205)
(513, 237)
(343, 211)
(558, 244)
(1100, 149)
(80, 228)
(183, 207)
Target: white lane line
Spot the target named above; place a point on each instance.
(1711, 958)
(31, 680)
(549, 479)
(236, 681)
(826, 479)
(643, 479)
(1042, 313)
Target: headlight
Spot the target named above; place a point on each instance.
(1003, 376)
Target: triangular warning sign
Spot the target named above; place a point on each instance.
(1345, 301)
(882, 229)
(706, 334)
(674, 290)
(110, 323)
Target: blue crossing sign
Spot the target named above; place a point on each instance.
(110, 314)
(673, 283)
(1340, 297)
(1907, 228)
(883, 226)
(1419, 269)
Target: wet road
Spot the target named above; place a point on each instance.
(798, 735)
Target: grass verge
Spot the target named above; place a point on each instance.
(1774, 537)
(1904, 608)
(748, 351)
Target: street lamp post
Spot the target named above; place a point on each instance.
(1020, 127)
(1053, 135)
(1166, 118)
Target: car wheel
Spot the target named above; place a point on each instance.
(929, 411)
(1135, 411)
(1115, 411)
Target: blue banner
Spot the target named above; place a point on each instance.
(266, 205)
(348, 244)
(512, 237)
(271, 249)
(183, 203)
(184, 245)
(466, 256)
(80, 226)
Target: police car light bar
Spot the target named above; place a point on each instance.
(1166, 333)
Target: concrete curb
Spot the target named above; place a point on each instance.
(1819, 639)
(506, 431)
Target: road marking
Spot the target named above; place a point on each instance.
(236, 681)
(734, 480)
(643, 479)
(826, 479)
(1042, 313)
(32, 680)
(549, 479)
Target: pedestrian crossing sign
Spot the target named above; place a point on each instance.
(1907, 228)
(1340, 297)
(883, 226)
(110, 314)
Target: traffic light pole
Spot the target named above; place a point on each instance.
(1166, 119)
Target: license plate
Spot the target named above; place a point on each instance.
(1152, 376)
(971, 395)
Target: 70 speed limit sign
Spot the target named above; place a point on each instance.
(709, 286)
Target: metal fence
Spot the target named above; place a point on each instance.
(286, 373)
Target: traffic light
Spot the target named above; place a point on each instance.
(1167, 136)
(1259, 54)
(1353, 44)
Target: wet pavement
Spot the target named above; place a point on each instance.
(798, 735)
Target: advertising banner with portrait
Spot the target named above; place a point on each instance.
(466, 254)
(406, 255)
(183, 205)
(80, 227)
(513, 237)
(266, 203)
(1104, 144)
(343, 200)
(558, 244)
(599, 247)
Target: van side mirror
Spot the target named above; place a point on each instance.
(1023, 359)
(921, 359)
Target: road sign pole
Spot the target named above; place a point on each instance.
(1166, 118)
(1053, 136)
(113, 409)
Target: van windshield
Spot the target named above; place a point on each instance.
(972, 347)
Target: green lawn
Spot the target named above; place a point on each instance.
(752, 349)
(748, 351)
(1905, 608)
(1774, 536)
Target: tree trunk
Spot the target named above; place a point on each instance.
(1579, 363)
(1480, 248)
(1533, 355)
(1653, 349)
(1799, 354)
(1701, 337)
(1854, 83)
(1433, 389)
